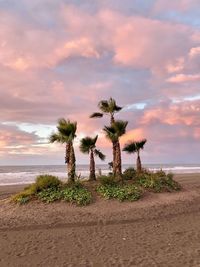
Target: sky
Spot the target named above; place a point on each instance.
(59, 58)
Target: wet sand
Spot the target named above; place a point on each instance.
(158, 230)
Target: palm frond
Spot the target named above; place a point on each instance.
(67, 128)
(120, 127)
(66, 131)
(134, 146)
(96, 115)
(113, 106)
(130, 148)
(55, 137)
(104, 106)
(109, 106)
(140, 144)
(87, 143)
(110, 133)
(116, 130)
(99, 154)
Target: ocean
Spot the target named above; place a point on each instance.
(13, 175)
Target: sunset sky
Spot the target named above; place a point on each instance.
(59, 58)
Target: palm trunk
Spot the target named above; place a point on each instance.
(118, 160)
(114, 157)
(92, 167)
(112, 120)
(139, 165)
(72, 164)
(67, 153)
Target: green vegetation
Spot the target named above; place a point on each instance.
(49, 188)
(77, 194)
(120, 192)
(129, 174)
(107, 180)
(46, 181)
(50, 195)
(22, 197)
(43, 182)
(157, 182)
(73, 193)
(135, 183)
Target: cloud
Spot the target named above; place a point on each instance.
(183, 113)
(194, 51)
(59, 58)
(12, 139)
(181, 78)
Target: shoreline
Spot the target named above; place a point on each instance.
(158, 230)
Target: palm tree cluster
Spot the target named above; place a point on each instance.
(66, 133)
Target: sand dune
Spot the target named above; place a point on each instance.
(159, 230)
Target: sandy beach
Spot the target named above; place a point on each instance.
(158, 230)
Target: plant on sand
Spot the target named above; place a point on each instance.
(129, 174)
(107, 180)
(120, 192)
(43, 182)
(157, 182)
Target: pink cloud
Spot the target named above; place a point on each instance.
(181, 78)
(194, 51)
(183, 113)
(64, 69)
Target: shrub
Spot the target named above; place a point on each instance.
(26, 195)
(50, 195)
(78, 195)
(129, 174)
(171, 183)
(22, 198)
(107, 180)
(43, 182)
(72, 192)
(47, 181)
(120, 192)
(158, 181)
(31, 189)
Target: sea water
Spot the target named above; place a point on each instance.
(11, 175)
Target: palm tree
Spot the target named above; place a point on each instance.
(113, 133)
(88, 146)
(108, 107)
(66, 133)
(135, 147)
